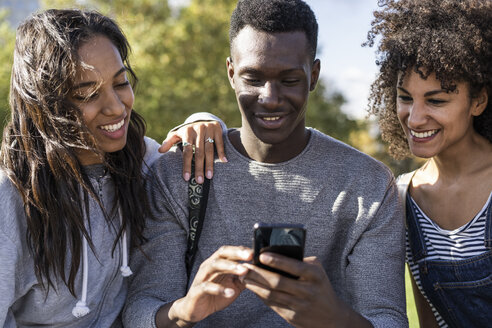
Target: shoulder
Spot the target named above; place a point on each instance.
(339, 157)
(13, 222)
(151, 152)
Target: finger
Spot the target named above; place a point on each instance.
(303, 270)
(187, 158)
(171, 139)
(235, 253)
(215, 289)
(219, 144)
(214, 267)
(209, 156)
(272, 297)
(199, 152)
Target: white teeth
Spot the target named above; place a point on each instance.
(274, 118)
(423, 134)
(113, 127)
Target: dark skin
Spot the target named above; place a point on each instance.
(272, 75)
(272, 85)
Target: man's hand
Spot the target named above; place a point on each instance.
(309, 301)
(201, 135)
(216, 286)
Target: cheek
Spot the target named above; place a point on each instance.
(245, 99)
(128, 98)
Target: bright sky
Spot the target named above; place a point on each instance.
(345, 65)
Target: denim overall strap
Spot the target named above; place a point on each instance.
(415, 234)
(488, 227)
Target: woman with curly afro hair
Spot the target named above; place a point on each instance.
(432, 99)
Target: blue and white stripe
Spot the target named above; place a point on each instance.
(449, 245)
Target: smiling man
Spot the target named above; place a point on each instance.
(279, 171)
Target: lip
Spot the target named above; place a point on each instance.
(116, 134)
(270, 120)
(424, 135)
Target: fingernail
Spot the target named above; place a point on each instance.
(224, 160)
(240, 269)
(209, 174)
(199, 179)
(265, 258)
(186, 176)
(244, 254)
(229, 292)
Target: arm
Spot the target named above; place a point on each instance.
(424, 311)
(216, 286)
(196, 130)
(157, 295)
(8, 256)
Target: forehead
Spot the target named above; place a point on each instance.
(252, 48)
(99, 56)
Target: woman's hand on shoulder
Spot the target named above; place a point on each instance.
(200, 136)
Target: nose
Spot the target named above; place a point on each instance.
(417, 115)
(269, 96)
(113, 105)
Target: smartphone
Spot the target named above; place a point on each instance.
(281, 238)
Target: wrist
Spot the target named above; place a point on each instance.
(170, 316)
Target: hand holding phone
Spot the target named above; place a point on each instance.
(279, 238)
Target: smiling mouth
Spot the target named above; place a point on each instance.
(113, 127)
(271, 118)
(425, 134)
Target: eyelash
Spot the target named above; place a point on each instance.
(94, 95)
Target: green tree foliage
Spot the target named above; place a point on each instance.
(7, 40)
(179, 56)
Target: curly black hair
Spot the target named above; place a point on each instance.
(276, 16)
(451, 38)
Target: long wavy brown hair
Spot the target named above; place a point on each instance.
(451, 38)
(46, 129)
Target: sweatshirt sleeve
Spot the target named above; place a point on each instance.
(159, 275)
(201, 116)
(8, 258)
(377, 264)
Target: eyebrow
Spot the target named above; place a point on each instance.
(428, 93)
(251, 70)
(91, 83)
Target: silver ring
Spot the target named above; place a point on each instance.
(186, 143)
(210, 140)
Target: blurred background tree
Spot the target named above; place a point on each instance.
(179, 57)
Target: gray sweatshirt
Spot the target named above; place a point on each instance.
(347, 201)
(23, 302)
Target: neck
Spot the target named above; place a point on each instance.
(244, 140)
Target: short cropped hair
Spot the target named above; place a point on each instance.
(276, 16)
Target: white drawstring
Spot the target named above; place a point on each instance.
(125, 269)
(81, 309)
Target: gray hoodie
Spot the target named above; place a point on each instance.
(101, 289)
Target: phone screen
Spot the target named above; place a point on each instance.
(283, 239)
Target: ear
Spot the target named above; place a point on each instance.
(479, 103)
(314, 74)
(230, 71)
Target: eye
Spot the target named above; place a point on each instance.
(85, 97)
(405, 98)
(123, 85)
(251, 80)
(437, 102)
(290, 82)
